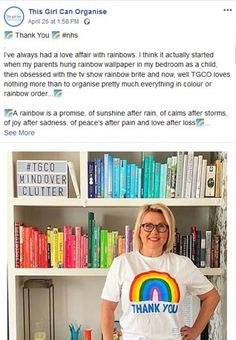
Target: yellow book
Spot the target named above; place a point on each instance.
(60, 249)
(54, 247)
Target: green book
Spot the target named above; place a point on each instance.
(90, 232)
(103, 248)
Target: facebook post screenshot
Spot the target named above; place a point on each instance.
(118, 151)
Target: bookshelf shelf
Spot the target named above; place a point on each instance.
(36, 272)
(114, 202)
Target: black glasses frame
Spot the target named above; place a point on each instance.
(160, 227)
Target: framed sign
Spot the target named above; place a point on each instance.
(42, 178)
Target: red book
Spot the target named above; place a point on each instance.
(27, 247)
(21, 245)
(35, 247)
(67, 245)
(40, 250)
(78, 247)
(17, 245)
(72, 260)
(45, 251)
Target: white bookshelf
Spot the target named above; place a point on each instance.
(80, 284)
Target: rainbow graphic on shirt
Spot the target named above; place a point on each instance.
(146, 285)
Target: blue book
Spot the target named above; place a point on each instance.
(107, 175)
(128, 180)
(151, 168)
(132, 180)
(106, 156)
(116, 178)
(91, 179)
(163, 180)
(102, 178)
(110, 177)
(136, 181)
(145, 176)
(98, 178)
(139, 183)
(95, 179)
(123, 174)
(157, 179)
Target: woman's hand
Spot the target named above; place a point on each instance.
(188, 333)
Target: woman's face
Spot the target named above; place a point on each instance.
(153, 241)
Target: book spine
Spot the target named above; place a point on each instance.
(189, 174)
(102, 179)
(90, 232)
(151, 177)
(78, 247)
(210, 181)
(145, 176)
(128, 180)
(60, 249)
(218, 176)
(103, 253)
(198, 249)
(208, 248)
(49, 237)
(203, 178)
(132, 180)
(184, 245)
(17, 245)
(157, 180)
(199, 176)
(120, 244)
(179, 173)
(35, 240)
(194, 241)
(109, 248)
(67, 244)
(139, 182)
(98, 178)
(168, 177)
(163, 180)
(95, 178)
(110, 165)
(173, 177)
(91, 179)
(203, 253)
(21, 245)
(194, 178)
(185, 163)
(123, 171)
(54, 253)
(116, 178)
(115, 244)
(128, 238)
(216, 251)
(95, 246)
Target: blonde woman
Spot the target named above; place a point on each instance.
(151, 283)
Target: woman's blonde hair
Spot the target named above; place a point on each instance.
(170, 220)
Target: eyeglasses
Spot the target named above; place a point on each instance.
(148, 227)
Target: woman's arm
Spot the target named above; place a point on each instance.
(107, 318)
(209, 302)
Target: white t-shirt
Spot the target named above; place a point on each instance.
(151, 291)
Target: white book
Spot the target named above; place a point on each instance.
(208, 248)
(74, 179)
(184, 175)
(189, 174)
(168, 178)
(199, 176)
(203, 178)
(210, 181)
(194, 179)
(173, 177)
(179, 174)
